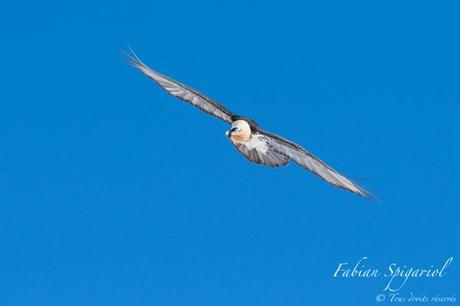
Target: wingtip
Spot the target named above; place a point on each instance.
(369, 196)
(131, 56)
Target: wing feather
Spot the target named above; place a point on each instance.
(258, 151)
(182, 91)
(310, 162)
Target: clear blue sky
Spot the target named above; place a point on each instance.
(114, 193)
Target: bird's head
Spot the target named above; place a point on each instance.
(240, 131)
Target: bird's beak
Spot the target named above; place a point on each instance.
(229, 133)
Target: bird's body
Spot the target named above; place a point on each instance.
(248, 138)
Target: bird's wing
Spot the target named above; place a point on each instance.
(258, 150)
(182, 91)
(310, 162)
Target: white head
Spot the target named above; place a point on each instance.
(240, 131)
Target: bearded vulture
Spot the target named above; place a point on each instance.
(254, 143)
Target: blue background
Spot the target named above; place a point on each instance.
(114, 193)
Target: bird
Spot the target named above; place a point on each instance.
(254, 143)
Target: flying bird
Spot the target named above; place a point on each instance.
(254, 143)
